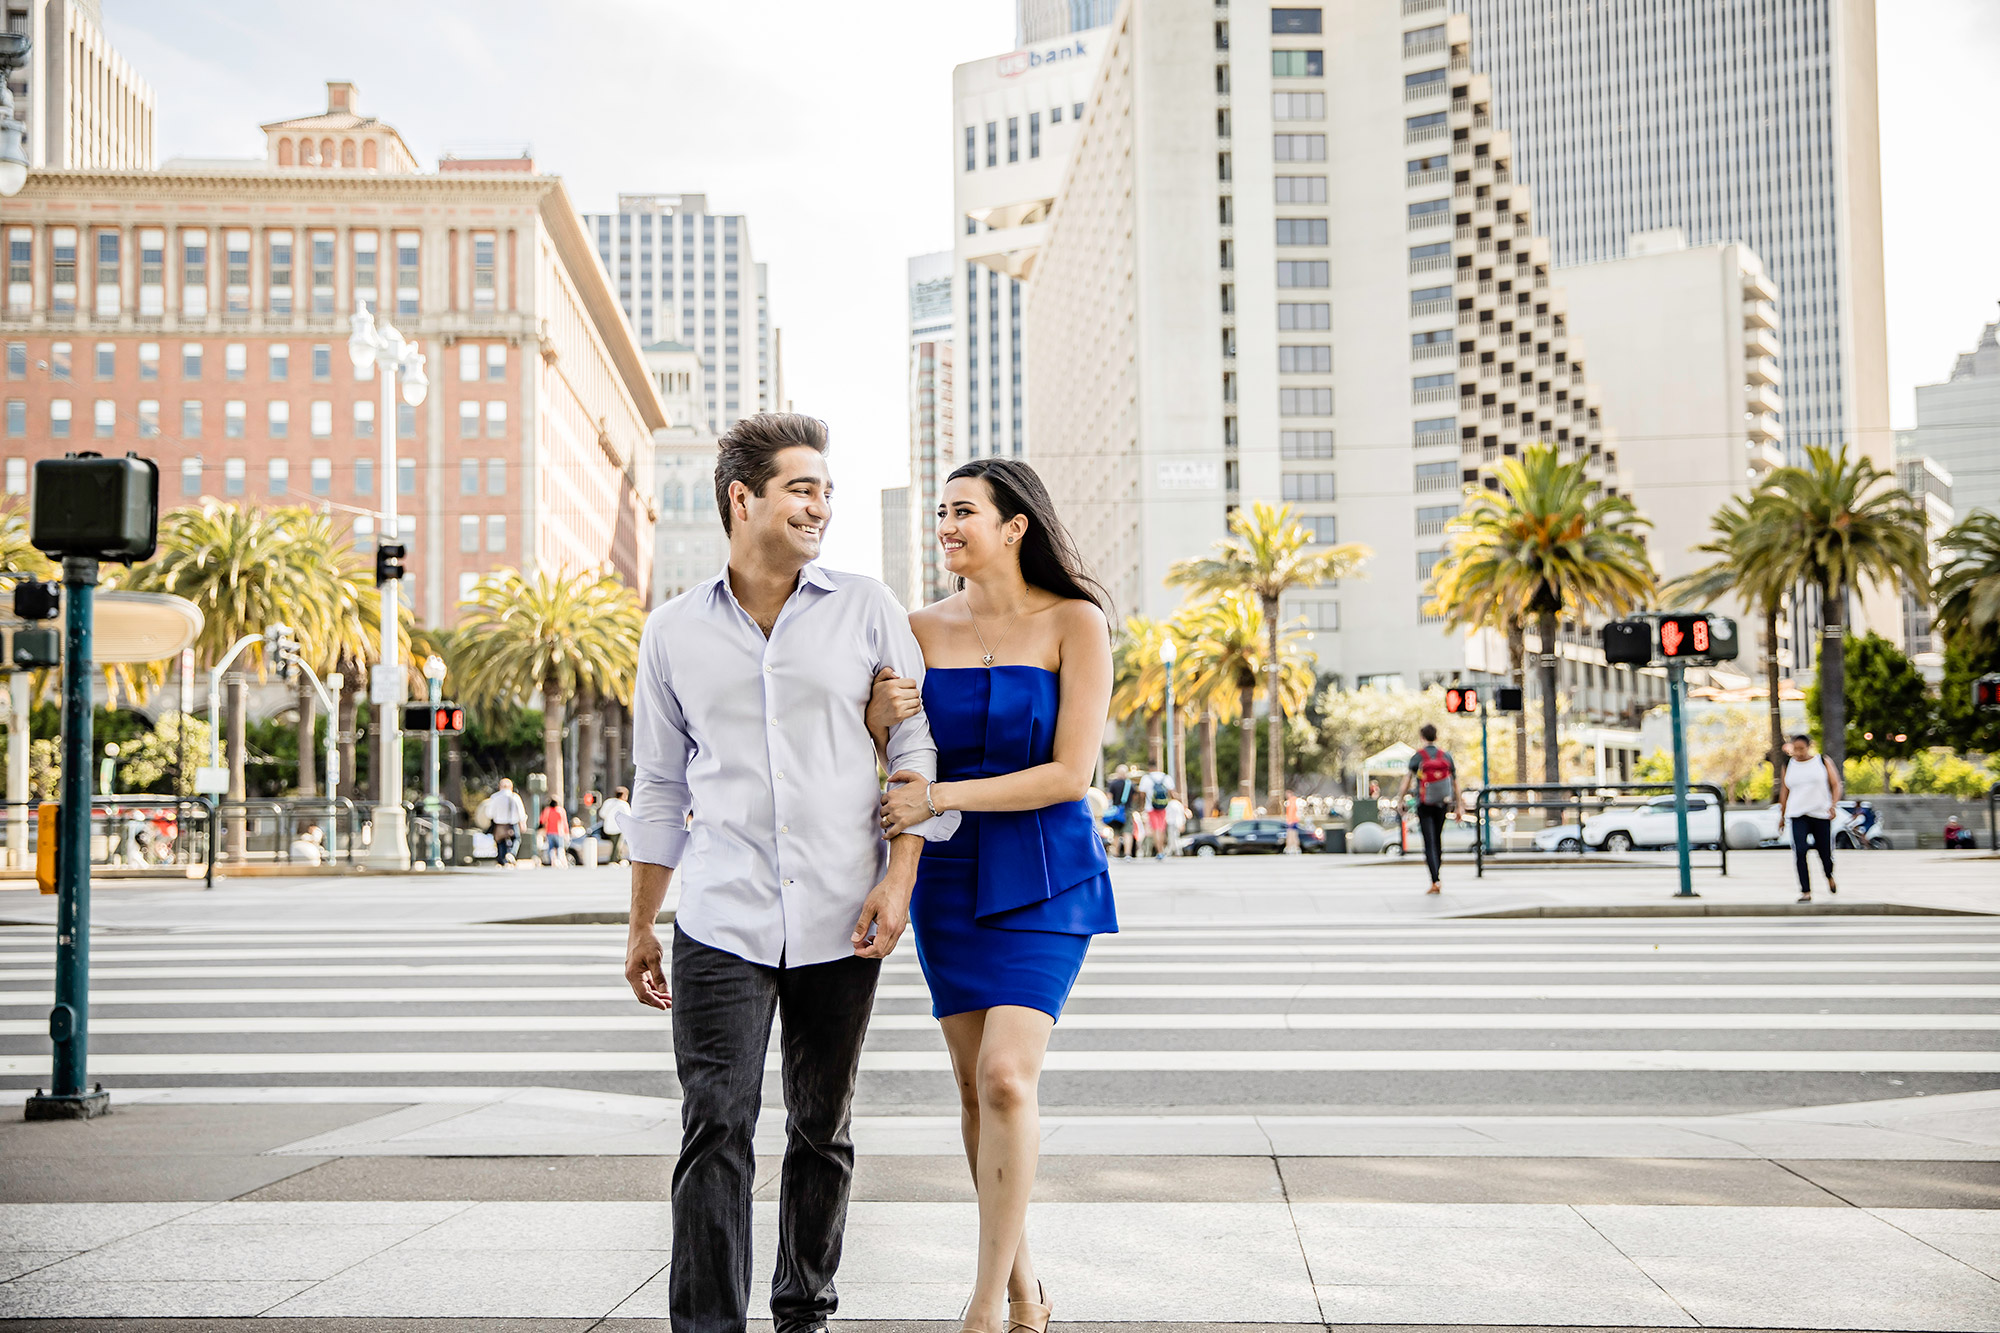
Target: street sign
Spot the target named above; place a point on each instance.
(387, 685)
(211, 781)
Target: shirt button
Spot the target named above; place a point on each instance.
(781, 777)
(767, 669)
(784, 828)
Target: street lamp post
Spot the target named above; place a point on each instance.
(1167, 654)
(434, 673)
(379, 345)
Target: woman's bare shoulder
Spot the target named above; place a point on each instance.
(1079, 617)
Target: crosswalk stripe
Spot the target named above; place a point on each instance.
(254, 1024)
(184, 1064)
(1538, 967)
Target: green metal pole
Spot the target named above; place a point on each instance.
(1485, 818)
(431, 780)
(67, 1098)
(1676, 691)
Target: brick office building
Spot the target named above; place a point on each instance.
(199, 315)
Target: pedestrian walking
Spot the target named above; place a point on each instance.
(612, 821)
(1295, 813)
(1159, 794)
(555, 834)
(509, 815)
(1126, 796)
(1435, 778)
(1808, 797)
(1177, 818)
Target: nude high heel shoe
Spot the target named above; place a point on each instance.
(1033, 1316)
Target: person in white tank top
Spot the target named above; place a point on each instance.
(1808, 795)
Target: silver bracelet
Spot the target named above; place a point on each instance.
(927, 798)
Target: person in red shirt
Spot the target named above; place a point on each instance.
(555, 835)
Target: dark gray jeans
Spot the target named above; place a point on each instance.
(723, 1006)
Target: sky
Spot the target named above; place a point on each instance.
(835, 140)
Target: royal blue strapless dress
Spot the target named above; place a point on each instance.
(1005, 909)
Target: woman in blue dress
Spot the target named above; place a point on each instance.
(1017, 686)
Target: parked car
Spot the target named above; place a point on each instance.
(1564, 837)
(1460, 835)
(1246, 836)
(1653, 824)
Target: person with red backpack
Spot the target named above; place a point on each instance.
(1435, 777)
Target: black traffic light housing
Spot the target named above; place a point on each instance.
(1627, 642)
(444, 718)
(35, 599)
(1507, 698)
(35, 649)
(96, 508)
(1986, 694)
(1461, 699)
(389, 562)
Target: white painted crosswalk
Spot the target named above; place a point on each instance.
(1241, 1015)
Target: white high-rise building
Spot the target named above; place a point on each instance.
(896, 527)
(83, 105)
(1016, 118)
(1292, 261)
(1045, 20)
(1754, 122)
(686, 275)
(933, 448)
(1958, 424)
(688, 541)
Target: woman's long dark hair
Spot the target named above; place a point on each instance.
(1048, 557)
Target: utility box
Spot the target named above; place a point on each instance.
(96, 508)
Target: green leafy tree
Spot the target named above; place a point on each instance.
(1968, 655)
(1268, 554)
(1840, 523)
(1887, 709)
(1546, 544)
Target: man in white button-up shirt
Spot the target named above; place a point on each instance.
(755, 790)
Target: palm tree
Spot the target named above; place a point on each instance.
(1225, 661)
(557, 634)
(1548, 542)
(1139, 679)
(16, 552)
(1268, 554)
(1471, 592)
(1968, 585)
(1841, 521)
(1749, 563)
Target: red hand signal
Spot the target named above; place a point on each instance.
(1670, 638)
(1701, 636)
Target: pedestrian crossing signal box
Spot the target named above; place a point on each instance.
(1986, 694)
(1699, 638)
(1507, 699)
(445, 719)
(96, 508)
(1628, 643)
(1461, 699)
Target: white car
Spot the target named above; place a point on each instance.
(1763, 828)
(1653, 825)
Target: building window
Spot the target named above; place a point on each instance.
(236, 280)
(1431, 519)
(1298, 106)
(1312, 359)
(364, 476)
(1034, 134)
(149, 418)
(1297, 64)
(365, 255)
(104, 418)
(1305, 443)
(190, 361)
(468, 362)
(496, 420)
(1319, 614)
(1437, 476)
(364, 533)
(152, 271)
(992, 143)
(1424, 83)
(108, 296)
(1298, 315)
(279, 284)
(406, 476)
(281, 362)
(496, 532)
(322, 273)
(1432, 338)
(1436, 431)
(1301, 231)
(235, 361)
(496, 476)
(322, 363)
(468, 583)
(106, 360)
(468, 476)
(1013, 139)
(278, 417)
(496, 362)
(234, 415)
(364, 420)
(20, 270)
(483, 288)
(406, 422)
(190, 477)
(468, 420)
(17, 361)
(322, 476)
(1295, 20)
(59, 361)
(971, 148)
(191, 419)
(233, 474)
(321, 414)
(1055, 112)
(149, 361)
(17, 418)
(280, 476)
(194, 273)
(1429, 212)
(1298, 147)
(408, 250)
(1434, 388)
(1076, 112)
(1430, 300)
(468, 533)
(1425, 258)
(1306, 487)
(1305, 402)
(62, 270)
(59, 413)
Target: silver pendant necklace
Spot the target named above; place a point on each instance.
(986, 658)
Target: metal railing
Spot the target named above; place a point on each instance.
(439, 834)
(137, 832)
(1577, 797)
(263, 830)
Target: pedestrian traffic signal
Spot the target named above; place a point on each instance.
(388, 562)
(37, 600)
(1507, 698)
(1461, 699)
(442, 719)
(281, 650)
(1986, 694)
(96, 508)
(1627, 642)
(36, 649)
(1697, 637)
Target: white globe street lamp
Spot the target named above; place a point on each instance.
(1168, 652)
(14, 49)
(375, 344)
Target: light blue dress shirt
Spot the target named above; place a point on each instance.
(755, 774)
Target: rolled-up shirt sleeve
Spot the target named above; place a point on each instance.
(656, 826)
(910, 743)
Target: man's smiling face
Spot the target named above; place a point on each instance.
(787, 523)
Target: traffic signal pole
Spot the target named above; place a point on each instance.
(1485, 823)
(69, 1020)
(1676, 693)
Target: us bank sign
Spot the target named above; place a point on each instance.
(1016, 63)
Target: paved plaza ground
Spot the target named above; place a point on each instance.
(1292, 1092)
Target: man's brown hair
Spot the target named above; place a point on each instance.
(749, 451)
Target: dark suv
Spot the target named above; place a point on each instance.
(1244, 836)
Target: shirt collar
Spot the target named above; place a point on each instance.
(812, 574)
